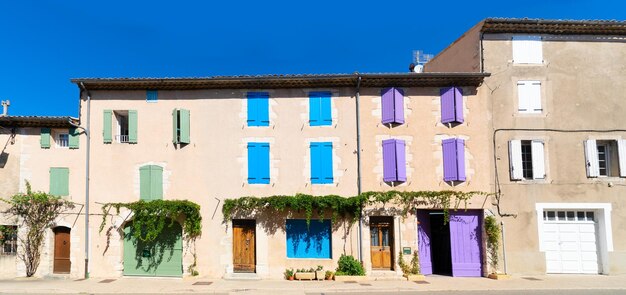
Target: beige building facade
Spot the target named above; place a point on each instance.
(556, 97)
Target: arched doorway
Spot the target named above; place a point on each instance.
(162, 257)
(62, 263)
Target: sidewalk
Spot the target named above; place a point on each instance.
(220, 286)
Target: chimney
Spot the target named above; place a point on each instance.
(5, 108)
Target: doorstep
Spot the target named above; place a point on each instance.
(244, 276)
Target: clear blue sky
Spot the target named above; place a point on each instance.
(45, 43)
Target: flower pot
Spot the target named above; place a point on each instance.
(415, 278)
(319, 275)
(499, 276)
(291, 278)
(305, 276)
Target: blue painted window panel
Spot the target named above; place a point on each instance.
(320, 111)
(321, 162)
(313, 241)
(152, 95)
(258, 163)
(258, 109)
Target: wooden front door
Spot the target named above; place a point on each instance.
(381, 246)
(244, 250)
(62, 262)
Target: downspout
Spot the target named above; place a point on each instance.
(358, 162)
(88, 133)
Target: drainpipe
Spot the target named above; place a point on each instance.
(88, 133)
(503, 247)
(358, 161)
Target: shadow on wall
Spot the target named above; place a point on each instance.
(4, 157)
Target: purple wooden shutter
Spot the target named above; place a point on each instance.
(423, 242)
(398, 101)
(447, 105)
(458, 104)
(400, 160)
(449, 159)
(460, 159)
(465, 243)
(389, 160)
(387, 105)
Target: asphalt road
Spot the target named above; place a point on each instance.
(493, 292)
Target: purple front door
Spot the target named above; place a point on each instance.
(465, 241)
(423, 236)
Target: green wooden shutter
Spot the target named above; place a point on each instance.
(175, 138)
(59, 181)
(132, 126)
(106, 130)
(144, 183)
(184, 126)
(74, 138)
(156, 182)
(45, 138)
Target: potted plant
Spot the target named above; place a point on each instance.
(349, 269)
(289, 274)
(329, 275)
(411, 271)
(319, 273)
(492, 231)
(305, 274)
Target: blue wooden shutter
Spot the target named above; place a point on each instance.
(258, 163)
(44, 140)
(258, 109)
(264, 162)
(252, 163)
(389, 160)
(449, 160)
(152, 95)
(387, 105)
(315, 111)
(326, 108)
(316, 171)
(326, 155)
(308, 241)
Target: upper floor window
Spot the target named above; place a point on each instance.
(321, 162)
(605, 158)
(62, 140)
(453, 159)
(394, 160)
(125, 124)
(527, 160)
(151, 182)
(527, 50)
(392, 105)
(320, 111)
(258, 163)
(59, 181)
(451, 105)
(152, 95)
(258, 109)
(180, 119)
(529, 97)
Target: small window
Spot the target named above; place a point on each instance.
(62, 140)
(527, 159)
(152, 95)
(527, 50)
(392, 105)
(151, 182)
(311, 240)
(122, 126)
(560, 215)
(551, 216)
(181, 118)
(453, 159)
(258, 163)
(590, 216)
(321, 162)
(451, 105)
(8, 239)
(394, 160)
(529, 97)
(605, 158)
(580, 215)
(59, 181)
(320, 109)
(258, 109)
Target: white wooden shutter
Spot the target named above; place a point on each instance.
(534, 92)
(523, 97)
(527, 50)
(515, 159)
(538, 158)
(621, 155)
(591, 156)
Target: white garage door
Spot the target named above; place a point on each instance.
(569, 239)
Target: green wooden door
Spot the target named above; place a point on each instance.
(163, 257)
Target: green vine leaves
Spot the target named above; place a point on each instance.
(347, 206)
(150, 218)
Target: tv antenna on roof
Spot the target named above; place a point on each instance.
(419, 60)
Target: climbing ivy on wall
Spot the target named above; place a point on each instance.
(151, 217)
(345, 207)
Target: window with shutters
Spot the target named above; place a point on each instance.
(311, 240)
(152, 95)
(394, 160)
(527, 159)
(527, 50)
(529, 97)
(125, 126)
(321, 162)
(606, 158)
(181, 120)
(8, 239)
(453, 159)
(451, 105)
(62, 140)
(258, 109)
(258, 163)
(59, 181)
(320, 109)
(151, 182)
(392, 100)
